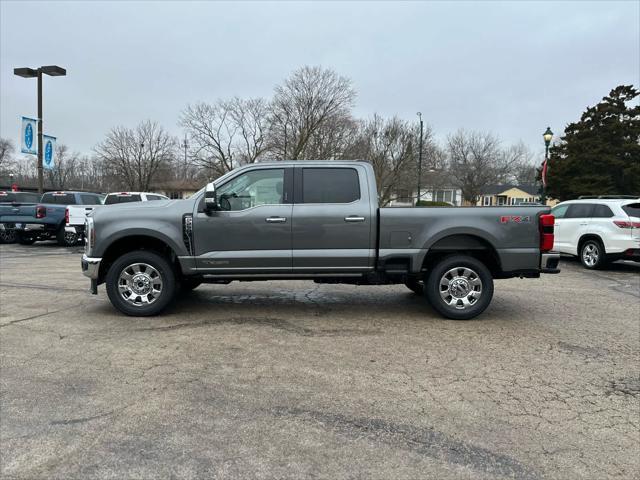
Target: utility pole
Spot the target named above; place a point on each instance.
(419, 159)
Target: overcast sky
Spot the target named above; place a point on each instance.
(507, 67)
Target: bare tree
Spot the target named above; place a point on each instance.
(305, 107)
(6, 157)
(389, 146)
(6, 152)
(63, 169)
(226, 134)
(134, 156)
(250, 118)
(477, 160)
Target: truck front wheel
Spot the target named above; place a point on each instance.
(141, 283)
(459, 287)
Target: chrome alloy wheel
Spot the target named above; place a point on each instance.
(590, 254)
(460, 287)
(140, 284)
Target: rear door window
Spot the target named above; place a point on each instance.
(59, 198)
(602, 211)
(154, 197)
(330, 185)
(579, 210)
(632, 209)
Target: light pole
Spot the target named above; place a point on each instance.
(419, 159)
(53, 71)
(548, 136)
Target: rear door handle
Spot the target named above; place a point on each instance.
(275, 219)
(584, 224)
(353, 218)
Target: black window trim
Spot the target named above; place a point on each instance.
(297, 191)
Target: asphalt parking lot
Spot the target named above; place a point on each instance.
(293, 379)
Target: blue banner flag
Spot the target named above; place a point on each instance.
(29, 136)
(49, 152)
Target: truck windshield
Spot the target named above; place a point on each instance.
(59, 198)
(19, 197)
(111, 199)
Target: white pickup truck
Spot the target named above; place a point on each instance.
(75, 215)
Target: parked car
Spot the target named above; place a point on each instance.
(598, 230)
(76, 214)
(11, 204)
(317, 221)
(46, 219)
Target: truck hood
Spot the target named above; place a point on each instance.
(143, 210)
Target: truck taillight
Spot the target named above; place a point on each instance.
(41, 211)
(546, 232)
(66, 216)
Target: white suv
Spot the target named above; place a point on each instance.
(598, 229)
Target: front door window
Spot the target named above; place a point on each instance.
(251, 189)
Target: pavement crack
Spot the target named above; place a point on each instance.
(73, 421)
(425, 440)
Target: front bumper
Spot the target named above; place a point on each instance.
(549, 262)
(90, 266)
(91, 269)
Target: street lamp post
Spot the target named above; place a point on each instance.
(548, 136)
(419, 159)
(53, 71)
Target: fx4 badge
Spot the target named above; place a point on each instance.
(515, 219)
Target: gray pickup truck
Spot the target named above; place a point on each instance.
(314, 220)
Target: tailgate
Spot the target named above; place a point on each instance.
(78, 214)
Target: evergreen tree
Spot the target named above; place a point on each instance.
(600, 154)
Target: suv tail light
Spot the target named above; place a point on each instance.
(546, 232)
(623, 224)
(41, 211)
(66, 216)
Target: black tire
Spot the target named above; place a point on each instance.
(165, 274)
(8, 236)
(475, 304)
(188, 284)
(415, 286)
(592, 254)
(26, 239)
(66, 239)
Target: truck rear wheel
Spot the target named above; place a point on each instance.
(26, 238)
(8, 236)
(66, 239)
(459, 287)
(141, 283)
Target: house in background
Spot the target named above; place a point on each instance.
(495, 195)
(177, 189)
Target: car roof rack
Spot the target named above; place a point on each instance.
(607, 197)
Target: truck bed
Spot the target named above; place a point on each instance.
(512, 232)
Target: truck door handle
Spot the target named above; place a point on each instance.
(584, 224)
(275, 219)
(353, 218)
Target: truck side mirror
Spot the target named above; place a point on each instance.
(210, 198)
